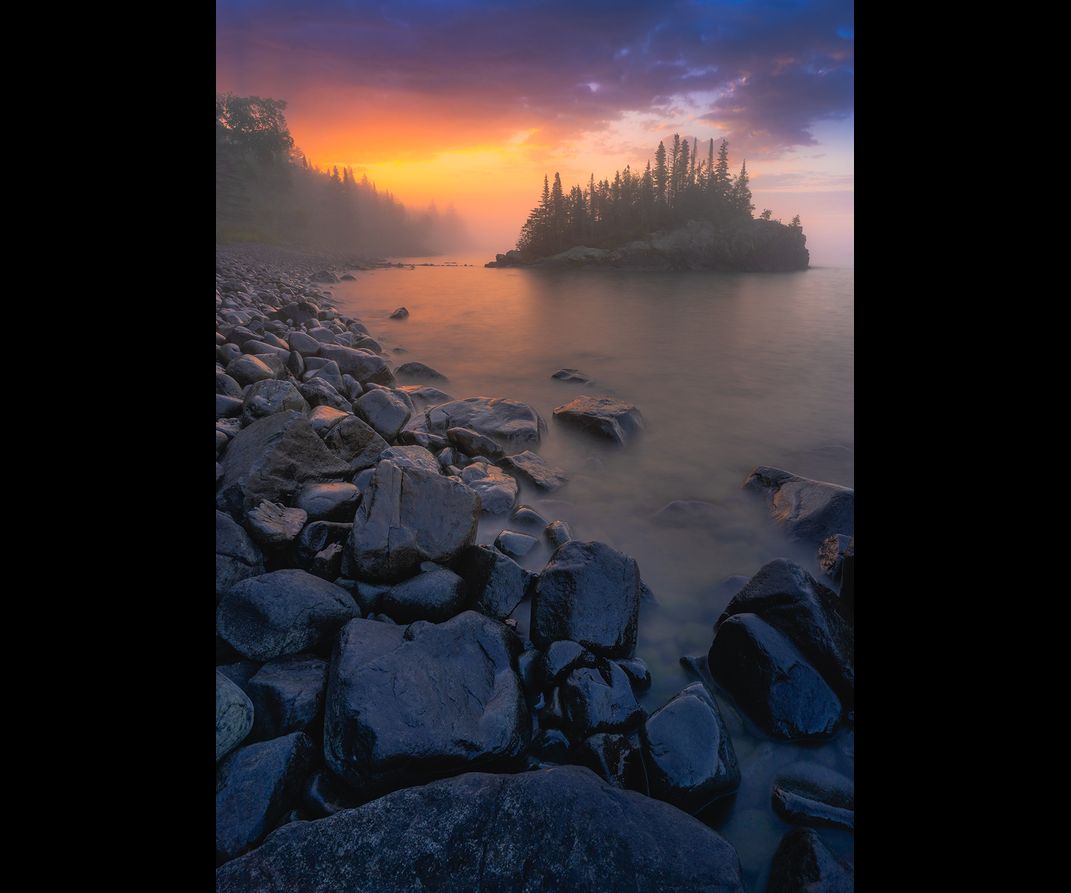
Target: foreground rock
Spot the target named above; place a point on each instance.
(496, 583)
(288, 696)
(237, 557)
(497, 490)
(434, 596)
(407, 705)
(355, 442)
(551, 830)
(588, 593)
(809, 511)
(602, 416)
(284, 612)
(804, 864)
(274, 525)
(535, 470)
(515, 426)
(810, 794)
(234, 716)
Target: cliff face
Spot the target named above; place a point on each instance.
(756, 246)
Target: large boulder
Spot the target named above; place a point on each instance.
(248, 370)
(234, 715)
(604, 417)
(237, 557)
(284, 612)
(318, 391)
(808, 510)
(474, 444)
(535, 470)
(266, 398)
(434, 595)
(288, 696)
(515, 426)
(386, 411)
(588, 593)
(497, 490)
(559, 829)
(411, 456)
(424, 396)
(690, 756)
(336, 501)
(363, 365)
(417, 703)
(496, 584)
(407, 516)
(804, 864)
(271, 460)
(355, 442)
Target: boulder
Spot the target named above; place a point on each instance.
(637, 673)
(319, 392)
(562, 658)
(535, 470)
(303, 344)
(288, 696)
(323, 335)
(617, 758)
(515, 426)
(469, 441)
(247, 370)
(299, 313)
(594, 703)
(411, 457)
(363, 365)
(804, 864)
(228, 386)
(317, 536)
(435, 596)
(237, 557)
(283, 612)
(811, 794)
(271, 524)
(496, 584)
(228, 407)
(400, 313)
(515, 545)
(266, 398)
(602, 416)
(386, 411)
(418, 371)
(588, 593)
(528, 518)
(558, 533)
(324, 418)
(497, 490)
(328, 371)
(425, 396)
(355, 442)
(234, 715)
(558, 829)
(808, 511)
(328, 502)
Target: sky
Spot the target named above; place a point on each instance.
(470, 103)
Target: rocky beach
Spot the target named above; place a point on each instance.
(407, 702)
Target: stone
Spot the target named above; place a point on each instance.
(255, 787)
(811, 794)
(409, 515)
(690, 756)
(535, 470)
(588, 593)
(319, 392)
(420, 372)
(228, 407)
(228, 386)
(807, 510)
(288, 696)
(528, 518)
(234, 715)
(407, 705)
(323, 335)
(804, 864)
(272, 524)
(355, 442)
(299, 313)
(237, 557)
(510, 542)
(282, 612)
(515, 426)
(386, 411)
(771, 681)
(248, 370)
(425, 396)
(325, 794)
(324, 276)
(604, 417)
(558, 533)
(400, 313)
(473, 443)
(638, 674)
(225, 353)
(266, 398)
(594, 703)
(496, 583)
(324, 418)
(304, 345)
(562, 658)
(335, 501)
(434, 596)
(411, 457)
(831, 555)
(328, 371)
(573, 375)
(617, 758)
(551, 746)
(558, 829)
(497, 491)
(327, 563)
(363, 365)
(317, 536)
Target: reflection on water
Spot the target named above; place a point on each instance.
(729, 371)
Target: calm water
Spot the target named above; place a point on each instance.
(729, 371)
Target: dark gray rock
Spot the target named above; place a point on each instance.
(425, 396)
(594, 703)
(255, 787)
(303, 345)
(558, 533)
(221, 441)
(573, 375)
(810, 794)
(561, 659)
(272, 525)
(317, 536)
(324, 276)
(288, 696)
(513, 425)
(299, 312)
(325, 794)
(527, 518)
(510, 542)
(804, 864)
(266, 398)
(411, 457)
(237, 557)
(336, 501)
(284, 612)
(589, 593)
(497, 490)
(318, 391)
(241, 671)
(327, 563)
(771, 681)
(227, 407)
(809, 511)
(323, 335)
(435, 596)
(495, 832)
(405, 706)
(535, 470)
(690, 756)
(328, 371)
(602, 416)
(400, 313)
(419, 372)
(363, 365)
(247, 370)
(496, 583)
(551, 746)
(831, 554)
(530, 668)
(473, 443)
(355, 442)
(407, 516)
(637, 673)
(228, 386)
(617, 758)
(271, 460)
(225, 353)
(324, 418)
(386, 411)
(234, 715)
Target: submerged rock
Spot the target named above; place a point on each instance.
(808, 510)
(573, 375)
(234, 715)
(804, 864)
(363, 365)
(558, 533)
(513, 425)
(603, 416)
(810, 794)
(425, 396)
(535, 470)
(515, 545)
(400, 313)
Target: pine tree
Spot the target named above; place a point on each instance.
(675, 171)
(741, 194)
(691, 170)
(682, 180)
(721, 182)
(661, 178)
(710, 166)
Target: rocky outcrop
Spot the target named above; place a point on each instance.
(808, 511)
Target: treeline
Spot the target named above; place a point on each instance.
(266, 190)
(680, 187)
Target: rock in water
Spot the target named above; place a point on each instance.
(588, 593)
(419, 371)
(560, 829)
(810, 794)
(271, 460)
(603, 416)
(234, 716)
(771, 681)
(497, 490)
(535, 470)
(237, 557)
(808, 510)
(284, 612)
(400, 313)
(407, 705)
(690, 757)
(363, 365)
(558, 533)
(515, 545)
(288, 696)
(496, 583)
(513, 425)
(255, 787)
(573, 375)
(803, 864)
(434, 596)
(406, 516)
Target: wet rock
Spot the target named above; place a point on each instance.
(804, 864)
(638, 674)
(788, 598)
(274, 362)
(690, 756)
(528, 518)
(419, 371)
(558, 533)
(324, 418)
(304, 345)
(551, 746)
(535, 470)
(255, 787)
(400, 313)
(602, 416)
(228, 386)
(280, 613)
(515, 545)
(407, 516)
(323, 335)
(435, 596)
(221, 441)
(469, 441)
(271, 460)
(617, 758)
(299, 312)
(594, 703)
(225, 353)
(513, 425)
(562, 658)
(288, 696)
(320, 392)
(355, 442)
(530, 668)
(234, 715)
(452, 458)
(266, 398)
(227, 407)
(260, 348)
(295, 364)
(589, 593)
(325, 794)
(317, 536)
(328, 371)
(573, 375)
(552, 716)
(385, 411)
(327, 563)
(411, 457)
(495, 832)
(363, 365)
(496, 583)
(237, 557)
(810, 794)
(271, 524)
(831, 555)
(408, 705)
(324, 276)
(497, 491)
(240, 671)
(426, 396)
(329, 502)
(771, 680)
(809, 511)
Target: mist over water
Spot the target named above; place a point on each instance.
(729, 371)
